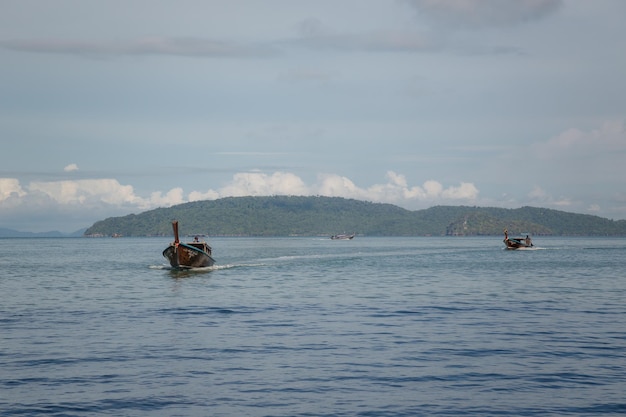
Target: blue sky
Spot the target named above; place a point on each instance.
(115, 107)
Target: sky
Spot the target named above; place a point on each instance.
(112, 107)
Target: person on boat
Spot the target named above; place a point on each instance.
(528, 241)
(195, 239)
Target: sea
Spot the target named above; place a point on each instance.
(309, 326)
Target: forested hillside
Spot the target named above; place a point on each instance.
(315, 216)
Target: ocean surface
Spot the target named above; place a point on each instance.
(314, 327)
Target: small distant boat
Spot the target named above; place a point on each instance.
(196, 254)
(342, 237)
(514, 243)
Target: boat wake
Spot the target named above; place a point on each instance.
(214, 267)
(533, 248)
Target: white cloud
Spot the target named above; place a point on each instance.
(337, 186)
(171, 198)
(207, 195)
(91, 192)
(89, 200)
(576, 143)
(466, 191)
(88, 192)
(65, 205)
(257, 184)
(70, 168)
(10, 187)
(397, 190)
(332, 185)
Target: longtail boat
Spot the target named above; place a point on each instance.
(196, 254)
(513, 243)
(342, 237)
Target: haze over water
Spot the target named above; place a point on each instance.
(313, 327)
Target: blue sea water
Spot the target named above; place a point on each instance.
(314, 327)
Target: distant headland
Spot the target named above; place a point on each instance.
(326, 216)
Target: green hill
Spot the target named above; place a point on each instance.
(315, 216)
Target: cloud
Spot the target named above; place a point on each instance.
(539, 197)
(171, 198)
(207, 195)
(382, 41)
(70, 168)
(10, 190)
(311, 36)
(258, 184)
(395, 190)
(579, 158)
(65, 205)
(72, 204)
(610, 138)
(89, 200)
(485, 13)
(88, 192)
(578, 169)
(191, 47)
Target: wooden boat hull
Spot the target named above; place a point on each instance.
(189, 255)
(513, 245)
(342, 237)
